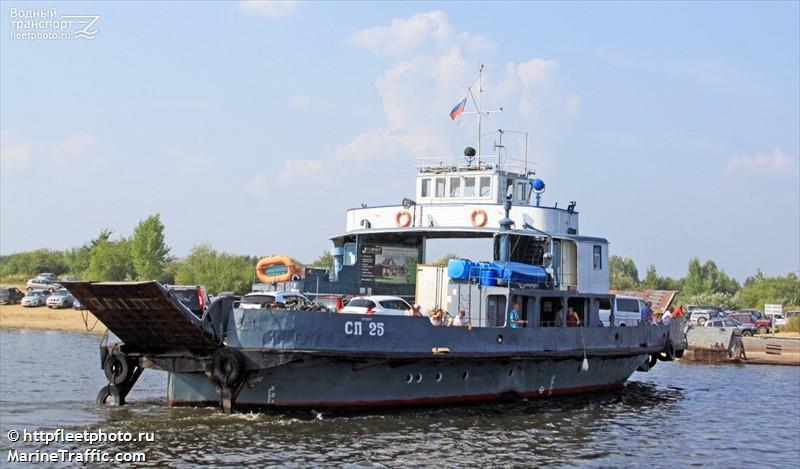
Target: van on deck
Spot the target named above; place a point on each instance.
(626, 311)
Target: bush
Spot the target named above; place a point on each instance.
(792, 325)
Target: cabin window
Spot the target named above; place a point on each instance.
(349, 254)
(425, 190)
(440, 187)
(598, 257)
(509, 188)
(496, 310)
(552, 313)
(455, 187)
(469, 187)
(485, 186)
(522, 191)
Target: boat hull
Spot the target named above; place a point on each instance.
(332, 383)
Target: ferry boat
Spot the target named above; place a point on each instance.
(541, 266)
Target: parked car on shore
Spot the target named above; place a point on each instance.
(780, 320)
(41, 284)
(389, 305)
(10, 295)
(701, 314)
(748, 316)
(46, 276)
(77, 305)
(35, 298)
(60, 299)
(747, 330)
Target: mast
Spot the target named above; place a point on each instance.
(480, 92)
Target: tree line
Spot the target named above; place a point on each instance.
(146, 256)
(706, 284)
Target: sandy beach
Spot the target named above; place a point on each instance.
(68, 320)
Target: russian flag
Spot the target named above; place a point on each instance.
(458, 109)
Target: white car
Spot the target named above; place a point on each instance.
(626, 313)
(780, 320)
(261, 300)
(389, 305)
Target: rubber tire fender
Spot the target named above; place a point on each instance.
(117, 368)
(106, 392)
(228, 364)
(668, 354)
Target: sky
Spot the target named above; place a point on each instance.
(254, 126)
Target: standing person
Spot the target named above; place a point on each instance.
(666, 316)
(678, 312)
(515, 317)
(573, 320)
(647, 313)
(437, 318)
(415, 310)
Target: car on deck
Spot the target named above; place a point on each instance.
(389, 305)
(261, 300)
(193, 297)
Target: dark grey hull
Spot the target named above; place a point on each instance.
(327, 383)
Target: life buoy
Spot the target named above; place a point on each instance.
(402, 219)
(282, 269)
(478, 218)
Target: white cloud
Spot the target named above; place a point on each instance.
(18, 154)
(406, 35)
(777, 163)
(269, 8)
(301, 102)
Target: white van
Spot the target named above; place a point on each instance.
(627, 312)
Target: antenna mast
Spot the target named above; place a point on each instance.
(478, 109)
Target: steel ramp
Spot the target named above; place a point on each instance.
(143, 315)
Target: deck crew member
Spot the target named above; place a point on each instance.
(514, 317)
(437, 318)
(461, 320)
(415, 310)
(573, 320)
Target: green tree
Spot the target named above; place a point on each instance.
(111, 261)
(217, 272)
(325, 260)
(707, 278)
(623, 273)
(444, 259)
(653, 281)
(760, 290)
(33, 262)
(149, 252)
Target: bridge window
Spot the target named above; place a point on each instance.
(485, 187)
(349, 254)
(425, 190)
(522, 190)
(440, 187)
(598, 257)
(469, 187)
(455, 187)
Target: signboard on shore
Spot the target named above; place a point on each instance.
(771, 310)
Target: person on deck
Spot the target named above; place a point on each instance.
(461, 320)
(415, 310)
(647, 314)
(667, 315)
(573, 320)
(678, 312)
(437, 318)
(515, 318)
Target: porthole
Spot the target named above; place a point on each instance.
(465, 375)
(409, 378)
(616, 336)
(419, 377)
(438, 376)
(499, 338)
(511, 372)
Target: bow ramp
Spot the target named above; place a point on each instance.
(143, 315)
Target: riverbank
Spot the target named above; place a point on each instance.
(43, 318)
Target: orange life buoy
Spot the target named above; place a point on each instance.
(402, 219)
(479, 218)
(281, 274)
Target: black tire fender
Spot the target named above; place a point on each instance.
(117, 368)
(228, 364)
(668, 354)
(653, 360)
(106, 392)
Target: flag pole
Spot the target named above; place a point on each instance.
(480, 92)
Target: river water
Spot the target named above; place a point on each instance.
(676, 415)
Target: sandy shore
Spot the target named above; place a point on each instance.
(68, 320)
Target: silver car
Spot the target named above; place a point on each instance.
(35, 298)
(41, 284)
(60, 299)
(745, 328)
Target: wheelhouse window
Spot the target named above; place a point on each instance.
(440, 187)
(485, 187)
(455, 187)
(598, 257)
(425, 190)
(349, 254)
(522, 191)
(469, 187)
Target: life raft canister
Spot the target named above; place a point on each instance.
(478, 218)
(276, 269)
(402, 219)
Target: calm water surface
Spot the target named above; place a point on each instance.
(674, 416)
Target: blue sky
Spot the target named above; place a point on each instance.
(254, 126)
